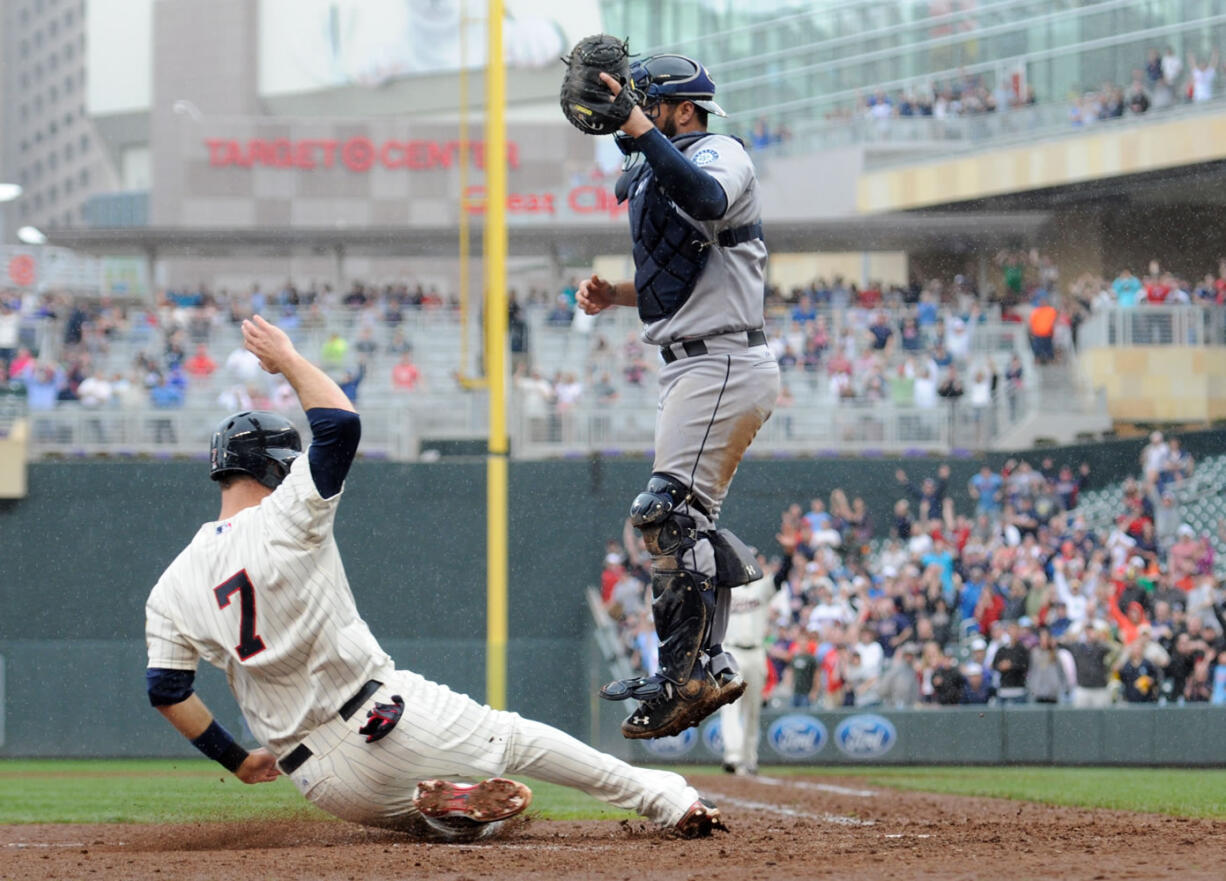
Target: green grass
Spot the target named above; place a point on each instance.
(189, 790)
(1180, 792)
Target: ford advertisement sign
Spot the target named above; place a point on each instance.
(672, 747)
(865, 736)
(796, 736)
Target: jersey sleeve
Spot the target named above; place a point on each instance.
(168, 648)
(726, 161)
(297, 510)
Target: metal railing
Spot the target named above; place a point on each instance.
(1146, 325)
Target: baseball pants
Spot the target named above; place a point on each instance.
(739, 722)
(710, 408)
(443, 734)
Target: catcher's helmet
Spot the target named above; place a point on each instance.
(257, 443)
(675, 78)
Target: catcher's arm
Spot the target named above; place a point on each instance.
(696, 192)
(595, 294)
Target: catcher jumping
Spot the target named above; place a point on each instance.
(699, 258)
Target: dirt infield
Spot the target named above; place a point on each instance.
(780, 828)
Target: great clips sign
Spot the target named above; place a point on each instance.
(358, 154)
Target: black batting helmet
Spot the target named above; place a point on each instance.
(257, 443)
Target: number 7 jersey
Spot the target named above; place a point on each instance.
(263, 595)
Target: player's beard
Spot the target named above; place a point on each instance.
(669, 126)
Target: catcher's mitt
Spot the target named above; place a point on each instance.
(587, 102)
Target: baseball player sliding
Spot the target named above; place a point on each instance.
(699, 257)
(261, 593)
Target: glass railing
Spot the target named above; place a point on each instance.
(1146, 325)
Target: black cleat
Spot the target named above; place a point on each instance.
(700, 820)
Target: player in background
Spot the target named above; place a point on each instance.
(261, 593)
(749, 623)
(699, 282)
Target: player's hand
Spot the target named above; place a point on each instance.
(268, 342)
(594, 294)
(260, 766)
(637, 123)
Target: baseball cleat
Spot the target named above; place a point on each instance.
(700, 820)
(674, 710)
(486, 802)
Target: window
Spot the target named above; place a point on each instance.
(25, 48)
(53, 194)
(69, 52)
(69, 152)
(53, 161)
(84, 143)
(38, 40)
(25, 81)
(25, 145)
(38, 137)
(25, 112)
(83, 177)
(53, 62)
(38, 73)
(53, 129)
(53, 29)
(68, 185)
(53, 94)
(68, 85)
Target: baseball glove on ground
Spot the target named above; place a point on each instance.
(586, 101)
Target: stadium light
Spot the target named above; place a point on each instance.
(9, 192)
(31, 235)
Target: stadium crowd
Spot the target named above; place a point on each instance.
(1015, 600)
(912, 345)
(1164, 82)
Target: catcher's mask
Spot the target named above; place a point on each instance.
(257, 443)
(673, 78)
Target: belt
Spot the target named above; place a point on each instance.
(690, 348)
(748, 647)
(302, 752)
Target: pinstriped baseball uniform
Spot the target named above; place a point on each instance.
(264, 597)
(748, 621)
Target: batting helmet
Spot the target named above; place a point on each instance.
(675, 78)
(257, 443)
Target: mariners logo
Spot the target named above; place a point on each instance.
(796, 736)
(705, 156)
(865, 736)
(672, 747)
(713, 737)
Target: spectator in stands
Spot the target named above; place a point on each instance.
(366, 345)
(10, 327)
(1139, 676)
(334, 351)
(1202, 75)
(1091, 656)
(95, 390)
(951, 386)
(351, 379)
(200, 365)
(948, 683)
(405, 375)
(977, 686)
(43, 384)
(1046, 681)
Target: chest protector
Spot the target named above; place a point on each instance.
(669, 251)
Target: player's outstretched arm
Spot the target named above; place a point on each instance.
(193, 720)
(277, 354)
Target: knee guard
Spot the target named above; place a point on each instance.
(682, 608)
(735, 563)
(665, 530)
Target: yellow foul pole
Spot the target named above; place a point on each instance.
(496, 335)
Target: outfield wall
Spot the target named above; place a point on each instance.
(1027, 735)
(79, 553)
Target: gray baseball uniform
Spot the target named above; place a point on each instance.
(699, 283)
(748, 622)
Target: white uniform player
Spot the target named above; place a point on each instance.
(262, 594)
(749, 621)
